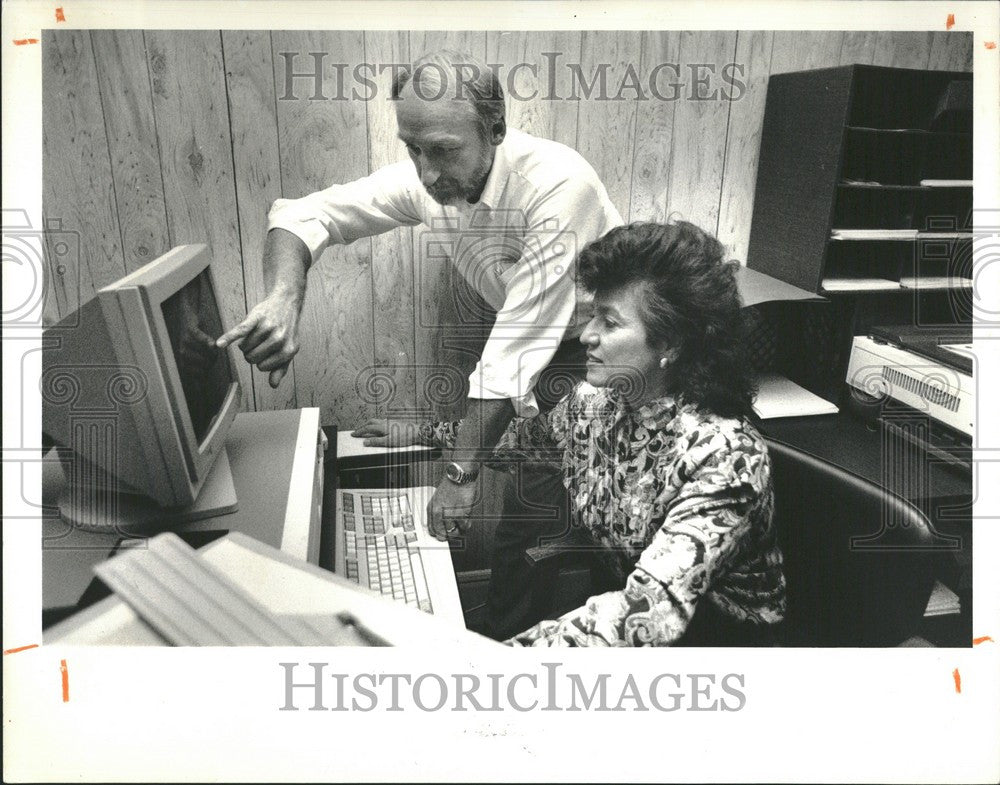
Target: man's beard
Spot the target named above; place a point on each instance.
(448, 194)
(452, 192)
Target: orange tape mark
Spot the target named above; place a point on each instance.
(955, 675)
(950, 22)
(23, 41)
(60, 16)
(987, 44)
(65, 680)
(19, 648)
(984, 639)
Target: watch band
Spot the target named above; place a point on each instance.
(458, 475)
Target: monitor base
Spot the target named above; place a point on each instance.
(131, 513)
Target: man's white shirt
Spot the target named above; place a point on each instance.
(516, 246)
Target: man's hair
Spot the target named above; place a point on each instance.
(447, 73)
(689, 301)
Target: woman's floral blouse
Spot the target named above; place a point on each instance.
(680, 501)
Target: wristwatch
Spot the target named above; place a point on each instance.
(458, 475)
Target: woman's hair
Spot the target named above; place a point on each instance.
(447, 73)
(689, 302)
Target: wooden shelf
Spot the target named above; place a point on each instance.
(882, 186)
(853, 149)
(898, 187)
(893, 235)
(935, 283)
(909, 132)
(859, 285)
(855, 285)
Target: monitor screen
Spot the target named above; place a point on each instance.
(193, 323)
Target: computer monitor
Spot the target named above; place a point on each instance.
(140, 400)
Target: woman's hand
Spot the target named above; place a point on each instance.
(385, 432)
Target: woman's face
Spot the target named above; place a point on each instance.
(618, 353)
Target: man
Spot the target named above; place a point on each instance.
(518, 209)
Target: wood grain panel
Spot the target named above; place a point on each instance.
(50, 305)
(951, 51)
(135, 163)
(254, 130)
(472, 41)
(858, 46)
(77, 185)
(654, 128)
(801, 50)
(699, 138)
(325, 142)
(902, 50)
(607, 127)
(196, 159)
(746, 118)
(394, 389)
(536, 84)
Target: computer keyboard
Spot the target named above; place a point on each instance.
(382, 543)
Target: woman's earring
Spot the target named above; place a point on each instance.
(663, 362)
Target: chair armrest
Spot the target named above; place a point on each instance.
(546, 560)
(559, 552)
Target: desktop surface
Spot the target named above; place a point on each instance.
(852, 444)
(262, 451)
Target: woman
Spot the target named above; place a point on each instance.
(666, 475)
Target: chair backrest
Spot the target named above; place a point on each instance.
(859, 561)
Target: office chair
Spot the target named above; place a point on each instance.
(859, 563)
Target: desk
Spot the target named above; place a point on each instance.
(846, 441)
(277, 465)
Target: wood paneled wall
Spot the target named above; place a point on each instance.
(156, 138)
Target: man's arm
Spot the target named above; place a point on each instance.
(483, 425)
(298, 232)
(268, 336)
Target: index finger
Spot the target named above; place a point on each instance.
(241, 330)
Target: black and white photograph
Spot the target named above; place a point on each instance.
(354, 354)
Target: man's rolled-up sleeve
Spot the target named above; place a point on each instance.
(344, 213)
(541, 297)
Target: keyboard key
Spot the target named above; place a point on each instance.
(420, 584)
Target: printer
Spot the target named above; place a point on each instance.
(919, 372)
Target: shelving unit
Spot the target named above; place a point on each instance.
(865, 148)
